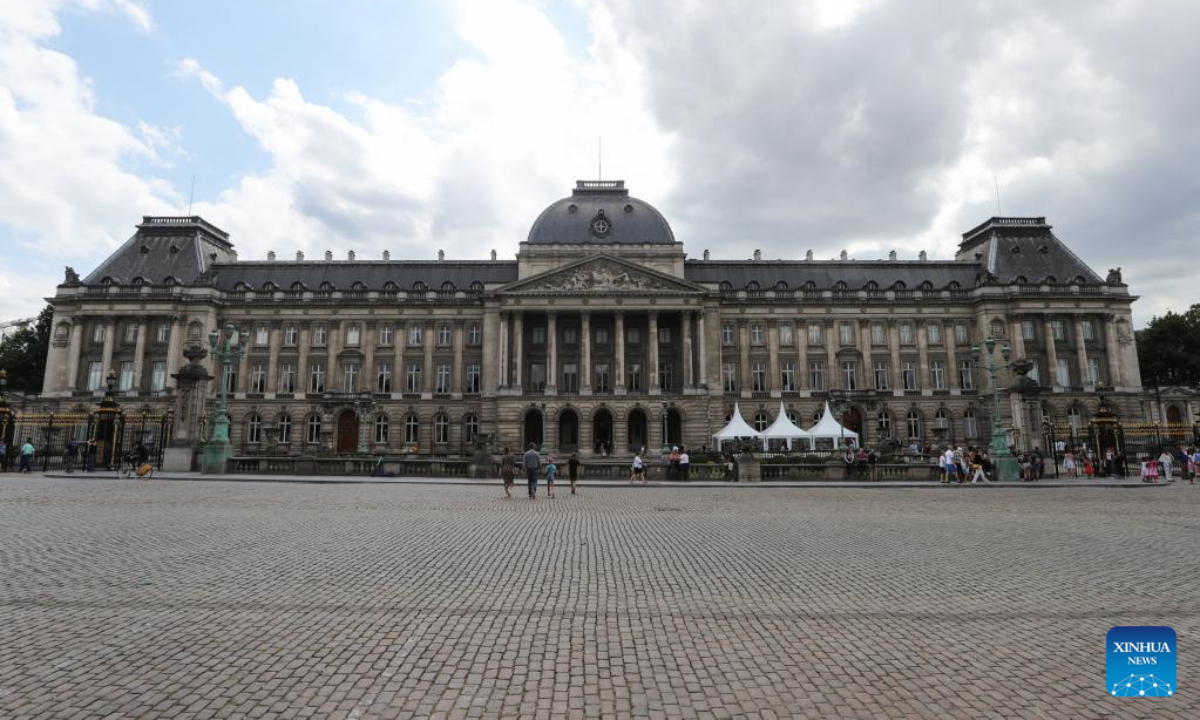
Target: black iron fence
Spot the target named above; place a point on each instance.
(79, 439)
(1110, 447)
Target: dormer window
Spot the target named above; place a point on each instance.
(871, 285)
(298, 286)
(270, 286)
(420, 286)
(1020, 280)
(138, 281)
(953, 285)
(810, 285)
(839, 285)
(326, 286)
(899, 285)
(1050, 280)
(358, 285)
(448, 286)
(477, 286)
(241, 287)
(390, 286)
(107, 281)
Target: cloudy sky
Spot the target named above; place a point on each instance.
(413, 126)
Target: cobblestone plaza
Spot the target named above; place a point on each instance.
(220, 599)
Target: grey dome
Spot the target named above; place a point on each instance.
(600, 212)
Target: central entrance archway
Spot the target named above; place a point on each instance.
(637, 430)
(347, 432)
(568, 430)
(602, 432)
(533, 428)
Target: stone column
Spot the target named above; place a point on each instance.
(110, 328)
(76, 349)
(703, 365)
(894, 376)
(619, 346)
(1016, 340)
(457, 373)
(399, 372)
(1111, 348)
(428, 339)
(333, 344)
(774, 381)
(585, 372)
(864, 349)
(832, 374)
(922, 357)
(501, 351)
(275, 339)
(302, 369)
(686, 329)
(367, 380)
(139, 356)
(518, 347)
(951, 358)
(652, 364)
(1081, 349)
(744, 357)
(491, 371)
(243, 378)
(551, 352)
(1051, 352)
(802, 379)
(174, 349)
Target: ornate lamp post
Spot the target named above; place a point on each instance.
(542, 449)
(666, 446)
(364, 408)
(839, 403)
(1002, 460)
(227, 346)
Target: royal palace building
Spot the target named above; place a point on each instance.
(602, 334)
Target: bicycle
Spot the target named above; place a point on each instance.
(132, 466)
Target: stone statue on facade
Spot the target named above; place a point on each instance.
(1114, 277)
(70, 277)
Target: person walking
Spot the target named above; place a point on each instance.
(1195, 464)
(70, 455)
(91, 451)
(507, 464)
(1164, 463)
(533, 465)
(1069, 464)
(673, 463)
(685, 464)
(551, 471)
(27, 453)
(637, 470)
(873, 466)
(976, 467)
(573, 470)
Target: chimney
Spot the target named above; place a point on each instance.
(922, 256)
(892, 255)
(808, 256)
(493, 255)
(845, 256)
(706, 255)
(757, 255)
(441, 255)
(329, 256)
(234, 253)
(270, 256)
(387, 255)
(299, 256)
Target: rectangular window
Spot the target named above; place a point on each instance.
(729, 377)
(231, 378)
(350, 378)
(97, 334)
(633, 335)
(353, 335)
(666, 376)
(602, 336)
(412, 378)
(443, 379)
(633, 377)
(538, 335)
(934, 333)
(814, 334)
(95, 375)
(908, 374)
(386, 333)
(287, 378)
(258, 378)
(850, 375)
(971, 424)
(906, 334)
(131, 333)
(664, 336)
(1027, 330)
(756, 334)
(570, 378)
(570, 336)
(261, 335)
(443, 338)
(1093, 371)
(164, 333)
(881, 376)
(937, 374)
(316, 378)
(962, 334)
(966, 375)
(1034, 373)
(414, 336)
(383, 377)
(787, 334)
(290, 334)
(758, 377)
(537, 376)
(473, 379)
(125, 379)
(601, 381)
(878, 334)
(816, 375)
(1089, 330)
(158, 376)
(318, 336)
(727, 334)
(1062, 372)
(787, 371)
(845, 334)
(474, 335)
(1057, 331)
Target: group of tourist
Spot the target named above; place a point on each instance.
(1163, 466)
(26, 454)
(532, 462)
(957, 465)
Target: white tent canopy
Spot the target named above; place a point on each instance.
(829, 428)
(737, 428)
(785, 429)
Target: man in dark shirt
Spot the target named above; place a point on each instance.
(573, 470)
(533, 463)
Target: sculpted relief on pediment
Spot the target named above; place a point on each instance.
(602, 277)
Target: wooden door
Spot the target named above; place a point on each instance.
(347, 432)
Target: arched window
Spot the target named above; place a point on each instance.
(1079, 280)
(298, 286)
(269, 286)
(170, 280)
(839, 285)
(926, 285)
(871, 285)
(312, 429)
(420, 286)
(391, 286)
(476, 286)
(358, 285)
(470, 427)
(412, 428)
(241, 287)
(953, 285)
(381, 429)
(107, 281)
(327, 286)
(138, 281)
(448, 286)
(761, 421)
(441, 429)
(752, 285)
(285, 429)
(899, 285)
(781, 285)
(885, 424)
(810, 285)
(254, 428)
(913, 421)
(1050, 280)
(970, 424)
(726, 286)
(1019, 280)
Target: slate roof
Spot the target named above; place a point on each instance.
(1015, 248)
(569, 221)
(180, 248)
(825, 273)
(372, 273)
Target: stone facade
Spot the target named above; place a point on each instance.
(602, 331)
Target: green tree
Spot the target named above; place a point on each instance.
(1169, 349)
(23, 354)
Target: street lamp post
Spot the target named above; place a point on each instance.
(839, 403)
(542, 449)
(1002, 460)
(666, 445)
(227, 346)
(5, 411)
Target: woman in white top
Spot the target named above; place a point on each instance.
(638, 473)
(1164, 465)
(1069, 464)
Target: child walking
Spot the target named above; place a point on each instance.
(551, 471)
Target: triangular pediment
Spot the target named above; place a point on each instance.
(602, 274)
